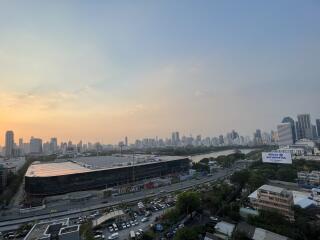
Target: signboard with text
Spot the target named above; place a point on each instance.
(276, 157)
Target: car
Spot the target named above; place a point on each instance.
(111, 229)
(140, 230)
(11, 236)
(128, 225)
(113, 236)
(214, 219)
(138, 234)
(144, 219)
(99, 236)
(124, 226)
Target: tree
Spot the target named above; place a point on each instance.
(86, 231)
(188, 202)
(149, 235)
(172, 215)
(200, 167)
(186, 234)
(286, 174)
(256, 180)
(240, 178)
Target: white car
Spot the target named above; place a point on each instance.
(144, 219)
(113, 236)
(99, 236)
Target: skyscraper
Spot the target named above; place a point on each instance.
(291, 121)
(53, 145)
(35, 145)
(9, 143)
(318, 127)
(304, 127)
(221, 140)
(175, 138)
(257, 137)
(285, 134)
(314, 132)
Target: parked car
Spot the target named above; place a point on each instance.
(113, 236)
(99, 236)
(144, 219)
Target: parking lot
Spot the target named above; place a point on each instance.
(139, 217)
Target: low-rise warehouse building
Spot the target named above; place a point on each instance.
(81, 174)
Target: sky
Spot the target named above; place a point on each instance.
(102, 70)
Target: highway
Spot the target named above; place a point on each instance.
(72, 212)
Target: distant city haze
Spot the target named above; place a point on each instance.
(104, 70)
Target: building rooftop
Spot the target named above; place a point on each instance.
(254, 195)
(270, 188)
(262, 234)
(55, 169)
(225, 228)
(89, 164)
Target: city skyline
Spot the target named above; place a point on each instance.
(315, 122)
(103, 71)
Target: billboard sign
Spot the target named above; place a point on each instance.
(276, 157)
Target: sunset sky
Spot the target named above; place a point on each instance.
(102, 70)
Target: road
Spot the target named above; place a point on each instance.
(7, 224)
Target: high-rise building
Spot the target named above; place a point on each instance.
(20, 143)
(221, 140)
(257, 137)
(285, 134)
(304, 127)
(80, 146)
(234, 135)
(9, 144)
(314, 132)
(318, 127)
(53, 145)
(126, 141)
(291, 121)
(35, 145)
(175, 138)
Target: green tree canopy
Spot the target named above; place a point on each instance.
(186, 234)
(188, 202)
(241, 177)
